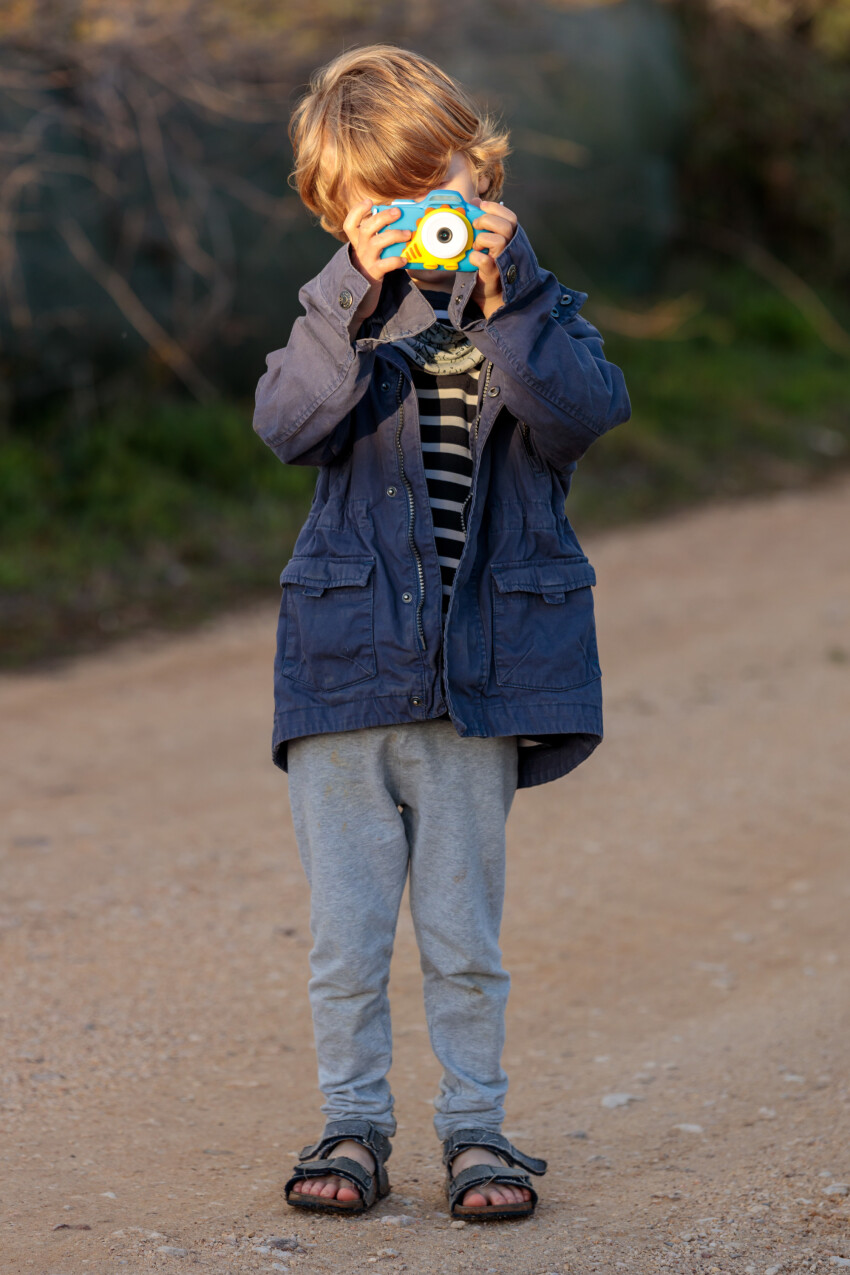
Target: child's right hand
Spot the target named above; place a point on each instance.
(368, 237)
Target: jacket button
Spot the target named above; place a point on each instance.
(566, 299)
(510, 273)
(554, 312)
(493, 391)
(346, 300)
(416, 700)
(407, 597)
(391, 491)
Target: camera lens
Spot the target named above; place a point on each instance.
(446, 234)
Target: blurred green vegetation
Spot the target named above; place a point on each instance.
(168, 510)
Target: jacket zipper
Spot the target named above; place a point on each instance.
(475, 440)
(525, 434)
(409, 490)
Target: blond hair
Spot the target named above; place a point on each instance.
(387, 121)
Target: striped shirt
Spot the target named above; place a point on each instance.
(448, 404)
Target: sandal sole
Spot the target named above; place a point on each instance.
(297, 1200)
(493, 1213)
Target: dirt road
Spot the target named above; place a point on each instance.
(676, 930)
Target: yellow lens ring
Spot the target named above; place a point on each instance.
(455, 233)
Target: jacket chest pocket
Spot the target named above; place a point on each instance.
(544, 631)
(330, 633)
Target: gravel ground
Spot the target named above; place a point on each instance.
(676, 930)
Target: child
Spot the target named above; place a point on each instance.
(436, 643)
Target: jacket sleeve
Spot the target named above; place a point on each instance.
(304, 400)
(553, 372)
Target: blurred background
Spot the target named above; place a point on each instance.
(685, 162)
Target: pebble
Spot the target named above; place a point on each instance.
(688, 1128)
(577, 1133)
(397, 1219)
(284, 1243)
(839, 1261)
(773, 1270)
(767, 1113)
(458, 1224)
(612, 1100)
(171, 1250)
(837, 1188)
(387, 1252)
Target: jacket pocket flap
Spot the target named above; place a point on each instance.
(551, 579)
(318, 574)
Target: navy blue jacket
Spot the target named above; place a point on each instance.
(360, 639)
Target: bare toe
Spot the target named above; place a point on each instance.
(475, 1200)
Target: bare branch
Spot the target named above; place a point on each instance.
(163, 345)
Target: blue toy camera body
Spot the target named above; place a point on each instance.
(443, 226)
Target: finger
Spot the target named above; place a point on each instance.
(490, 221)
(499, 209)
(380, 241)
(355, 216)
(496, 243)
(486, 266)
(377, 221)
(385, 264)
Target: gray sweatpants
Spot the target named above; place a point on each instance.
(368, 807)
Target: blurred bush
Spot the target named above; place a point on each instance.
(768, 150)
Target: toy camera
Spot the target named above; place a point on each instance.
(443, 230)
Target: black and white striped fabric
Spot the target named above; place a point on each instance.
(448, 403)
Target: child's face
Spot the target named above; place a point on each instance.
(459, 176)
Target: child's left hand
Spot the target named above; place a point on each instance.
(493, 231)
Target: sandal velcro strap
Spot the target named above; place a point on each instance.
(462, 1139)
(362, 1131)
(312, 1164)
(484, 1175)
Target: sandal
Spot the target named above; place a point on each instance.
(485, 1174)
(311, 1164)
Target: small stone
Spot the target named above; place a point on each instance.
(387, 1252)
(171, 1250)
(458, 1224)
(577, 1133)
(837, 1188)
(397, 1219)
(839, 1261)
(612, 1100)
(110, 1195)
(773, 1270)
(767, 1113)
(688, 1128)
(284, 1243)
